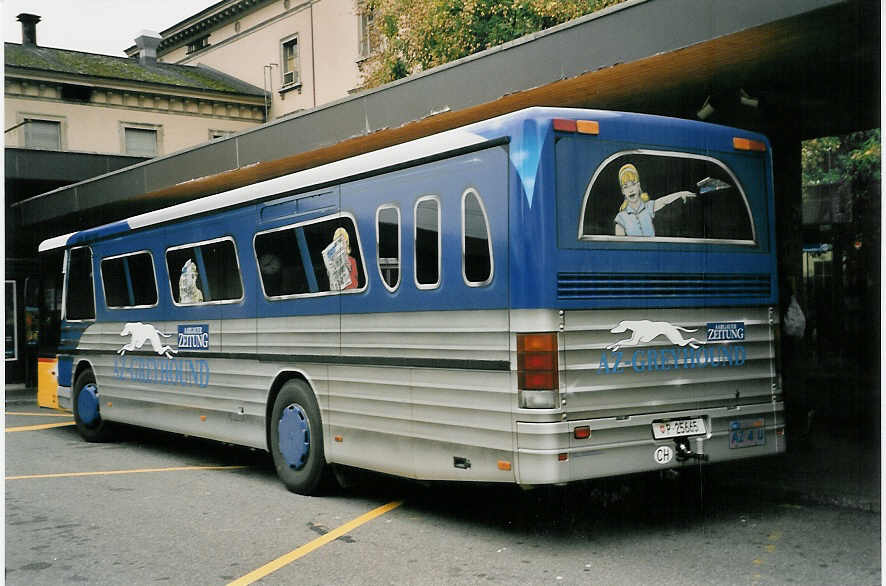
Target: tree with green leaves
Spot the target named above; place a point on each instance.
(832, 159)
(409, 36)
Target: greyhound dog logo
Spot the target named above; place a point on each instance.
(643, 331)
(142, 333)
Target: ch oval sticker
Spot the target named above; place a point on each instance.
(663, 454)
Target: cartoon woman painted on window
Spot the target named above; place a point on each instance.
(635, 216)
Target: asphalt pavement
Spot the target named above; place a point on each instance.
(826, 463)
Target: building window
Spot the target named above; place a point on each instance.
(291, 74)
(140, 142)
(367, 26)
(198, 44)
(43, 134)
(217, 134)
(11, 322)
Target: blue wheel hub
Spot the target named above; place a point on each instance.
(87, 404)
(294, 436)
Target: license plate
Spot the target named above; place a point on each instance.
(747, 432)
(678, 428)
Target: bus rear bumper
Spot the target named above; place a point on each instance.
(550, 453)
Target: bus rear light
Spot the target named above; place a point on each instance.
(538, 381)
(583, 432)
(581, 126)
(539, 361)
(537, 399)
(537, 370)
(564, 125)
(746, 144)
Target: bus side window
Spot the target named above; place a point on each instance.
(129, 280)
(80, 298)
(204, 272)
(314, 257)
(427, 242)
(387, 239)
(476, 246)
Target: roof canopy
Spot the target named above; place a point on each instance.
(813, 67)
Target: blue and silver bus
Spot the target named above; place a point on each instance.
(548, 296)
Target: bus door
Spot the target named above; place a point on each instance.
(49, 329)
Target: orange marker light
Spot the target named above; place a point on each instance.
(746, 144)
(339, 439)
(504, 465)
(202, 418)
(546, 342)
(588, 126)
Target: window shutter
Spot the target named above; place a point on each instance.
(141, 142)
(43, 134)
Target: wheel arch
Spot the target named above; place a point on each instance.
(82, 365)
(283, 377)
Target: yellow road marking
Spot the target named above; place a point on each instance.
(307, 548)
(47, 414)
(111, 472)
(39, 427)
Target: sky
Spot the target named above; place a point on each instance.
(96, 26)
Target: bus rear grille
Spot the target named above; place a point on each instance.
(656, 286)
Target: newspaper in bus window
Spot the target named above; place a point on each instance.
(335, 257)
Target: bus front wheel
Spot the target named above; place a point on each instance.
(87, 414)
(297, 439)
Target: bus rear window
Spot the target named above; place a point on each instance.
(666, 196)
(129, 281)
(204, 272)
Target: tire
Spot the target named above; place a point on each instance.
(86, 405)
(299, 457)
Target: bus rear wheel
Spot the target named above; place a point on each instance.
(87, 413)
(296, 439)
